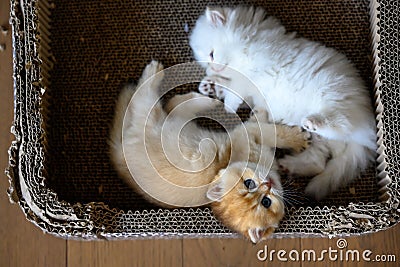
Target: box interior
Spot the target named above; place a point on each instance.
(97, 46)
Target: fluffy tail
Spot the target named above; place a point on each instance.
(346, 163)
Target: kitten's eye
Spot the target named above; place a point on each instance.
(266, 202)
(250, 184)
(212, 55)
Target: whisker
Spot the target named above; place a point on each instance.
(293, 196)
(292, 201)
(288, 183)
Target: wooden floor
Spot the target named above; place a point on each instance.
(23, 244)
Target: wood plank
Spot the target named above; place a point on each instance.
(316, 244)
(22, 243)
(125, 253)
(236, 252)
(383, 244)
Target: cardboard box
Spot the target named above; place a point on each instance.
(70, 60)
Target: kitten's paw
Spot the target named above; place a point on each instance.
(209, 88)
(259, 115)
(232, 102)
(231, 108)
(284, 168)
(154, 72)
(287, 165)
(312, 123)
(301, 139)
(153, 67)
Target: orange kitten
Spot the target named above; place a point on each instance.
(254, 206)
(172, 162)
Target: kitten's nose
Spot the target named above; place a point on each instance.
(268, 183)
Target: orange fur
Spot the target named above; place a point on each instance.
(242, 211)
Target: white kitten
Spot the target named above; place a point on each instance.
(303, 82)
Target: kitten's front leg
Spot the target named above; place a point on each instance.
(280, 136)
(232, 101)
(190, 104)
(292, 137)
(331, 124)
(220, 87)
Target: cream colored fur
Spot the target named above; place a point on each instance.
(172, 162)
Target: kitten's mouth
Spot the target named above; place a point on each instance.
(220, 67)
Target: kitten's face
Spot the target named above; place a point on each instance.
(253, 207)
(214, 44)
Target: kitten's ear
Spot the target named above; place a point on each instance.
(216, 190)
(215, 17)
(258, 234)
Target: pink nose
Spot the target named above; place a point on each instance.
(268, 183)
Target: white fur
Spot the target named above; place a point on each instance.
(304, 83)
